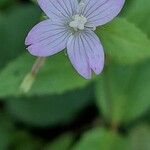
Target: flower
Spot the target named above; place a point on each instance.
(71, 25)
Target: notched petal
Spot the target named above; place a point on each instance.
(78, 56)
(86, 53)
(94, 51)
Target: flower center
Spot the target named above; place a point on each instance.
(78, 22)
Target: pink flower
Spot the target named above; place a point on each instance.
(71, 25)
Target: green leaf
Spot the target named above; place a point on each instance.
(139, 15)
(4, 139)
(56, 76)
(34, 1)
(100, 138)
(22, 140)
(62, 142)
(50, 110)
(124, 42)
(123, 92)
(6, 127)
(4, 3)
(139, 138)
(14, 26)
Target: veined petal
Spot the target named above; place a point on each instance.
(94, 51)
(78, 57)
(42, 30)
(58, 9)
(47, 38)
(99, 12)
(86, 53)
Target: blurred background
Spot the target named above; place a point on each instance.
(59, 110)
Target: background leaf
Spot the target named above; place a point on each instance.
(139, 138)
(56, 76)
(100, 138)
(122, 92)
(63, 111)
(139, 15)
(62, 142)
(14, 26)
(50, 110)
(124, 42)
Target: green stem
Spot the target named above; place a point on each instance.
(30, 77)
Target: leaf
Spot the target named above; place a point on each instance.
(62, 142)
(123, 92)
(22, 140)
(50, 110)
(34, 1)
(124, 42)
(56, 76)
(100, 138)
(14, 26)
(5, 3)
(139, 138)
(139, 15)
(6, 127)
(4, 139)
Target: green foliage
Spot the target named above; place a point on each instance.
(50, 110)
(24, 141)
(14, 26)
(100, 138)
(63, 111)
(139, 138)
(139, 15)
(124, 42)
(4, 3)
(55, 77)
(123, 92)
(63, 142)
(5, 131)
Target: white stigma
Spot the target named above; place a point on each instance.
(78, 23)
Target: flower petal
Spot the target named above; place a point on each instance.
(86, 52)
(99, 12)
(58, 9)
(47, 38)
(94, 51)
(78, 56)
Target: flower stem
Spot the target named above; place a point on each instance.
(30, 77)
(37, 65)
